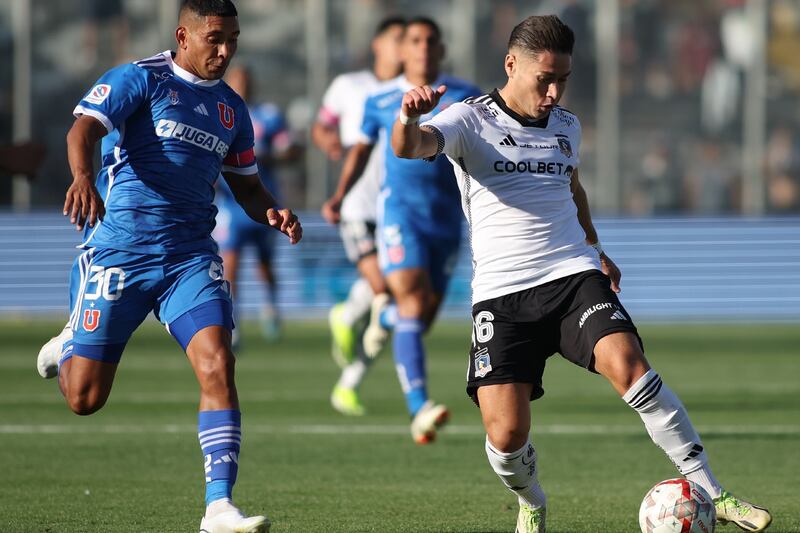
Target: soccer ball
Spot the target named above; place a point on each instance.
(677, 506)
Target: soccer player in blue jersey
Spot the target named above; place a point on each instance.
(419, 217)
(235, 230)
(169, 126)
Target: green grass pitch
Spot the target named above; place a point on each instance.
(136, 465)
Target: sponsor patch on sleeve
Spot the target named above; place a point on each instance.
(98, 94)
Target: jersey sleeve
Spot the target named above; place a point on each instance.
(241, 157)
(371, 123)
(115, 96)
(454, 128)
(332, 110)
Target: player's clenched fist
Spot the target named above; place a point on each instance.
(287, 222)
(421, 100)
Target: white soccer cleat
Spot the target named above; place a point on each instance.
(230, 519)
(745, 515)
(375, 336)
(530, 520)
(50, 353)
(428, 419)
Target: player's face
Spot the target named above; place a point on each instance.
(386, 46)
(210, 43)
(420, 50)
(538, 80)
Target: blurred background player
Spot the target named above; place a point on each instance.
(235, 230)
(419, 225)
(148, 243)
(337, 128)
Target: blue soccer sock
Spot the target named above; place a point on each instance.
(388, 318)
(220, 436)
(409, 358)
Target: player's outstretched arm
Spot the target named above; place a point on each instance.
(83, 203)
(585, 219)
(261, 206)
(409, 141)
(354, 164)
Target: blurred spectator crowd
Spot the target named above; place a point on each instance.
(683, 65)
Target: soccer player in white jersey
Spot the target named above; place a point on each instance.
(542, 283)
(169, 126)
(339, 125)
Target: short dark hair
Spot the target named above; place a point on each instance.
(427, 22)
(210, 8)
(387, 23)
(542, 34)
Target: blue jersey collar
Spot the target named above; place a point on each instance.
(185, 74)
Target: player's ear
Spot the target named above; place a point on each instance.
(181, 36)
(510, 65)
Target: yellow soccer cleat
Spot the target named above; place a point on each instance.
(745, 515)
(530, 520)
(347, 402)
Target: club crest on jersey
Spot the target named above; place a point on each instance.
(483, 363)
(98, 94)
(564, 145)
(173, 97)
(91, 319)
(396, 254)
(225, 115)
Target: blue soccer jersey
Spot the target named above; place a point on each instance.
(170, 135)
(271, 136)
(426, 190)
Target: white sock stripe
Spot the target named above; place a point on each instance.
(200, 434)
(633, 394)
(654, 390)
(220, 441)
(205, 441)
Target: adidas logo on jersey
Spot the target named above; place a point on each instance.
(508, 140)
(201, 109)
(618, 315)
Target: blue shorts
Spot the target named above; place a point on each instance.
(235, 230)
(403, 243)
(111, 293)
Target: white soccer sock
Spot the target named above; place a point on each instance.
(669, 426)
(517, 471)
(705, 478)
(353, 374)
(358, 302)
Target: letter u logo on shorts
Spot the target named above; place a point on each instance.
(91, 319)
(225, 115)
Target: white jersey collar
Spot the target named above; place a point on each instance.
(185, 74)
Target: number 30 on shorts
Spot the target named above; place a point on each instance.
(105, 282)
(482, 329)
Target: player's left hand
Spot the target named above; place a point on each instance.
(421, 100)
(610, 270)
(286, 222)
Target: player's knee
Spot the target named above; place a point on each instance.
(86, 403)
(215, 369)
(507, 438)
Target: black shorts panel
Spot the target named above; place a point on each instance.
(513, 335)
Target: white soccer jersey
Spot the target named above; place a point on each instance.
(343, 106)
(514, 176)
